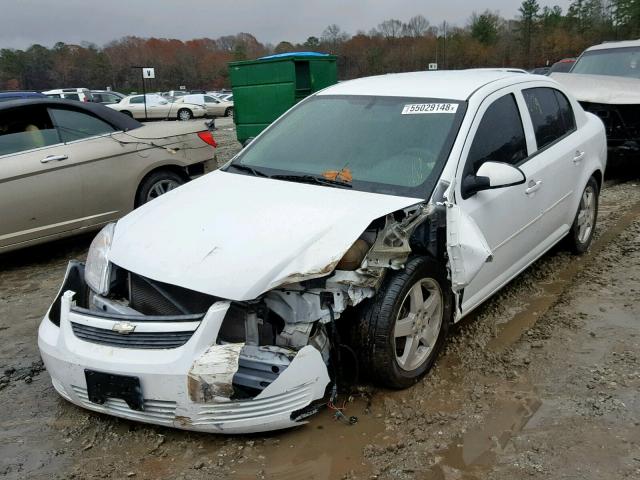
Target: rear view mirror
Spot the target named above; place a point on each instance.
(492, 175)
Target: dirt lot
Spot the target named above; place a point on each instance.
(542, 382)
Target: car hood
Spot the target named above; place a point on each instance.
(601, 88)
(237, 236)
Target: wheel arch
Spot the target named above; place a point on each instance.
(597, 174)
(180, 170)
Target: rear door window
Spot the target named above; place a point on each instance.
(75, 125)
(500, 136)
(139, 99)
(566, 112)
(550, 121)
(72, 96)
(26, 128)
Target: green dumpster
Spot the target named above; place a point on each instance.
(265, 88)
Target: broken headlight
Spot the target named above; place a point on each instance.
(97, 269)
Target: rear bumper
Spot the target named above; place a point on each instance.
(187, 387)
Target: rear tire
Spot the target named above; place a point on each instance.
(584, 224)
(185, 114)
(403, 328)
(156, 184)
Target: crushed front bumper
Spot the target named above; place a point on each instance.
(172, 380)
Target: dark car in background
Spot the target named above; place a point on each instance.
(562, 66)
(6, 95)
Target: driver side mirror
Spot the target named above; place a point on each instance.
(491, 175)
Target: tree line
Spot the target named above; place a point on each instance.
(537, 36)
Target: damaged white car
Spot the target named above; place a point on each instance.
(353, 231)
(606, 82)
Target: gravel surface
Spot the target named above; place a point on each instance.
(541, 382)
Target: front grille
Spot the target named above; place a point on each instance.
(155, 411)
(151, 297)
(146, 340)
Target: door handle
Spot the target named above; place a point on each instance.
(577, 158)
(533, 186)
(53, 158)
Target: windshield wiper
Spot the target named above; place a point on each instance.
(313, 179)
(246, 168)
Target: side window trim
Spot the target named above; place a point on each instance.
(24, 152)
(527, 124)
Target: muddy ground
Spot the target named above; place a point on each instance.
(542, 382)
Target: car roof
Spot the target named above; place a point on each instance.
(449, 84)
(607, 45)
(119, 120)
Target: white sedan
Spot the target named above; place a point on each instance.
(157, 107)
(215, 106)
(408, 201)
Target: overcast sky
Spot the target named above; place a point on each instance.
(24, 22)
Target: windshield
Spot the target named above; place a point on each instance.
(389, 145)
(619, 62)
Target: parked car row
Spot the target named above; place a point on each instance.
(168, 105)
(157, 107)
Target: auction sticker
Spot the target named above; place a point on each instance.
(417, 108)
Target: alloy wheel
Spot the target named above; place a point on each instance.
(160, 188)
(418, 324)
(586, 214)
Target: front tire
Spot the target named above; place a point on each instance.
(584, 224)
(403, 328)
(228, 112)
(184, 114)
(156, 184)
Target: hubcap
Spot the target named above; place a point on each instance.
(586, 214)
(418, 324)
(161, 187)
(184, 115)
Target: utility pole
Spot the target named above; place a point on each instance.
(444, 45)
(147, 72)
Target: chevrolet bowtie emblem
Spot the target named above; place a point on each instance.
(123, 328)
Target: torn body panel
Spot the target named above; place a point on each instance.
(211, 374)
(467, 248)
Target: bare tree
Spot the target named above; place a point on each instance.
(416, 26)
(390, 28)
(333, 34)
